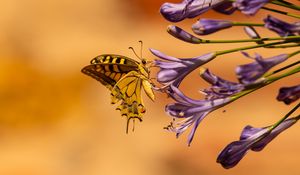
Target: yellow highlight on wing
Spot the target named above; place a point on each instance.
(148, 89)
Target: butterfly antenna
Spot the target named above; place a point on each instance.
(134, 52)
(141, 48)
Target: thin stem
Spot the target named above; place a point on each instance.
(286, 4)
(249, 40)
(284, 46)
(283, 68)
(275, 78)
(281, 12)
(183, 35)
(285, 117)
(246, 24)
(249, 47)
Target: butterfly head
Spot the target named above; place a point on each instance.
(143, 60)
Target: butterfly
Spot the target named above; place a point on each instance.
(125, 78)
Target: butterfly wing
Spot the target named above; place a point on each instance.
(108, 73)
(128, 89)
(124, 77)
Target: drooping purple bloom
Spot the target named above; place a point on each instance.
(183, 35)
(254, 139)
(207, 26)
(189, 111)
(249, 73)
(249, 7)
(176, 12)
(252, 33)
(282, 28)
(289, 94)
(225, 7)
(173, 70)
(220, 88)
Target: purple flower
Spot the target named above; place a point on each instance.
(289, 94)
(176, 12)
(249, 7)
(183, 35)
(282, 28)
(207, 26)
(190, 111)
(220, 88)
(252, 33)
(225, 7)
(254, 139)
(173, 70)
(249, 73)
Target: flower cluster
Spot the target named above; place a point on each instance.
(187, 112)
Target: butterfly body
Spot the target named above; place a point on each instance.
(124, 77)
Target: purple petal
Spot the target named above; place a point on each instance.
(289, 94)
(282, 28)
(196, 124)
(163, 56)
(251, 138)
(252, 33)
(166, 75)
(249, 131)
(258, 146)
(220, 88)
(182, 35)
(208, 26)
(176, 12)
(173, 70)
(249, 73)
(225, 7)
(249, 7)
(232, 154)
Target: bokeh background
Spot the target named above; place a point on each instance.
(56, 121)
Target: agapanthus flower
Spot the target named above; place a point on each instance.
(220, 88)
(176, 12)
(249, 73)
(282, 28)
(225, 7)
(254, 139)
(252, 33)
(207, 26)
(289, 94)
(189, 111)
(249, 7)
(173, 70)
(183, 35)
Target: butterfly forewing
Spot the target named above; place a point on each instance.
(109, 69)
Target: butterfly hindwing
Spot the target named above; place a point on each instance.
(128, 89)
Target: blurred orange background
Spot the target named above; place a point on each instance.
(56, 121)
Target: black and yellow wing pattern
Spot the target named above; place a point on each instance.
(125, 78)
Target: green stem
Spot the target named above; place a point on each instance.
(281, 12)
(284, 46)
(275, 78)
(286, 4)
(283, 68)
(285, 117)
(250, 47)
(249, 40)
(246, 24)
